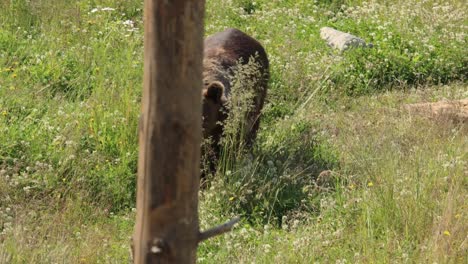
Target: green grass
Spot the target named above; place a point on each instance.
(70, 90)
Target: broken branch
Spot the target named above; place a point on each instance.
(215, 231)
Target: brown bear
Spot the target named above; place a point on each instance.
(224, 55)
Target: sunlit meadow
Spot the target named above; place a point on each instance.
(394, 186)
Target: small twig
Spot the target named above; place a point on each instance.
(42, 89)
(132, 250)
(215, 231)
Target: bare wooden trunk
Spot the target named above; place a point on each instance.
(167, 229)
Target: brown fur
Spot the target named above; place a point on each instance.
(222, 52)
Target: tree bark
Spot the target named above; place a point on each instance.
(167, 229)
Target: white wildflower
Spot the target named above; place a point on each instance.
(128, 23)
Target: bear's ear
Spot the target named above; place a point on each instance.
(214, 92)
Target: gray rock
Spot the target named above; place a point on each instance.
(341, 40)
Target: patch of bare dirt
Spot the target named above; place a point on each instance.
(456, 110)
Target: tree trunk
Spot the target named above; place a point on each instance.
(170, 134)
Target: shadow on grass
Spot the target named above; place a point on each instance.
(277, 178)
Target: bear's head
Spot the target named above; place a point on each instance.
(214, 101)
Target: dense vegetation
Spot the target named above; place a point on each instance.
(70, 90)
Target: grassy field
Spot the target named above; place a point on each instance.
(70, 90)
